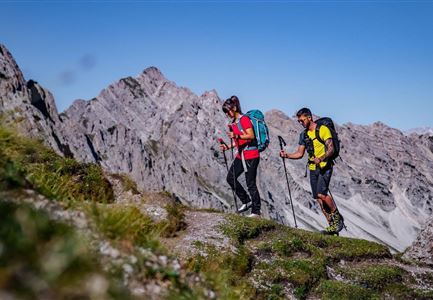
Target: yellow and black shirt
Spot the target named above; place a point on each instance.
(319, 148)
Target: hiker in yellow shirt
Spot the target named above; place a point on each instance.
(317, 141)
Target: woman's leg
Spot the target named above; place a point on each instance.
(235, 170)
(250, 177)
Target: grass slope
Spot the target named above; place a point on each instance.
(43, 258)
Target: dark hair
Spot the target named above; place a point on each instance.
(304, 112)
(232, 103)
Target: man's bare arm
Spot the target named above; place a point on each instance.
(296, 155)
(329, 150)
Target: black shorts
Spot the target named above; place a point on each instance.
(319, 180)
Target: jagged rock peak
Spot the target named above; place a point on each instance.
(13, 86)
(211, 93)
(379, 124)
(12, 79)
(276, 113)
(7, 59)
(29, 107)
(420, 131)
(211, 96)
(384, 128)
(153, 73)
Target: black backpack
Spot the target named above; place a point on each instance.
(328, 123)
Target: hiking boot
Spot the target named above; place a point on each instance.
(338, 221)
(244, 207)
(335, 225)
(253, 216)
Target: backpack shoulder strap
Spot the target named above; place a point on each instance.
(239, 123)
(308, 143)
(248, 146)
(304, 134)
(318, 135)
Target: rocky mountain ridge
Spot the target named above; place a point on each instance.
(420, 131)
(165, 138)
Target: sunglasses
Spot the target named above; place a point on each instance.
(301, 121)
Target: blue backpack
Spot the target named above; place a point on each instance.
(260, 129)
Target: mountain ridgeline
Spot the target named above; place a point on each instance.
(165, 138)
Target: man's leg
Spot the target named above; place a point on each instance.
(323, 180)
(314, 178)
(325, 209)
(235, 170)
(336, 222)
(328, 203)
(250, 177)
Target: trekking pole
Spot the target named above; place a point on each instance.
(282, 144)
(233, 159)
(227, 167)
(231, 140)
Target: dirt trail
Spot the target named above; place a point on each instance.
(202, 227)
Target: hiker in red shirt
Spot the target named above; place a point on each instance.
(247, 158)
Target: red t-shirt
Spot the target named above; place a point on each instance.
(243, 144)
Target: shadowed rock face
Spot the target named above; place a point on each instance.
(165, 137)
(27, 105)
(12, 83)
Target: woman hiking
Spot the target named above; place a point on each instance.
(247, 159)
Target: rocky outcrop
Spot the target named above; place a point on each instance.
(420, 131)
(12, 83)
(27, 106)
(165, 138)
(421, 249)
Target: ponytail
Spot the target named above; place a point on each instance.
(232, 103)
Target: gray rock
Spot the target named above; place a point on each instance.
(421, 249)
(27, 106)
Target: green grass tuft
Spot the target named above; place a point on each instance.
(241, 228)
(375, 277)
(40, 257)
(127, 183)
(400, 291)
(336, 290)
(225, 272)
(26, 162)
(349, 248)
(303, 274)
(287, 247)
(175, 221)
(126, 225)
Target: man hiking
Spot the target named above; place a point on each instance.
(320, 164)
(247, 159)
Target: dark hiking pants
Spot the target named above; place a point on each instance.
(319, 180)
(235, 171)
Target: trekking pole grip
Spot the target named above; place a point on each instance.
(221, 141)
(282, 142)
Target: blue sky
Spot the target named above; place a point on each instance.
(356, 61)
